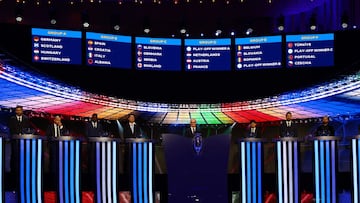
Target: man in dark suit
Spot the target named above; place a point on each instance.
(288, 127)
(131, 128)
(56, 128)
(19, 123)
(325, 129)
(93, 128)
(192, 129)
(252, 130)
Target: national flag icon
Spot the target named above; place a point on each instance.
(36, 39)
(90, 42)
(189, 66)
(90, 61)
(139, 65)
(291, 57)
(188, 60)
(36, 58)
(36, 45)
(290, 45)
(90, 48)
(36, 51)
(239, 53)
(90, 55)
(240, 60)
(139, 46)
(239, 47)
(139, 53)
(290, 63)
(188, 54)
(139, 59)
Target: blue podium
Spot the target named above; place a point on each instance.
(3, 139)
(325, 168)
(251, 169)
(30, 163)
(106, 168)
(355, 163)
(68, 171)
(287, 169)
(142, 169)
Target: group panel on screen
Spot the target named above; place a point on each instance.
(158, 54)
(108, 50)
(258, 52)
(207, 54)
(310, 50)
(170, 54)
(56, 46)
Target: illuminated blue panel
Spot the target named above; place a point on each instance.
(114, 171)
(322, 171)
(28, 169)
(140, 171)
(165, 54)
(317, 176)
(358, 166)
(333, 161)
(291, 172)
(103, 170)
(67, 42)
(355, 170)
(71, 171)
(328, 170)
(285, 164)
(22, 171)
(216, 52)
(305, 56)
(258, 52)
(134, 173)
(259, 170)
(108, 180)
(1, 170)
(77, 170)
(39, 171)
(279, 170)
(33, 170)
(151, 197)
(296, 172)
(98, 176)
(145, 173)
(254, 174)
(248, 171)
(115, 44)
(66, 171)
(243, 179)
(61, 172)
